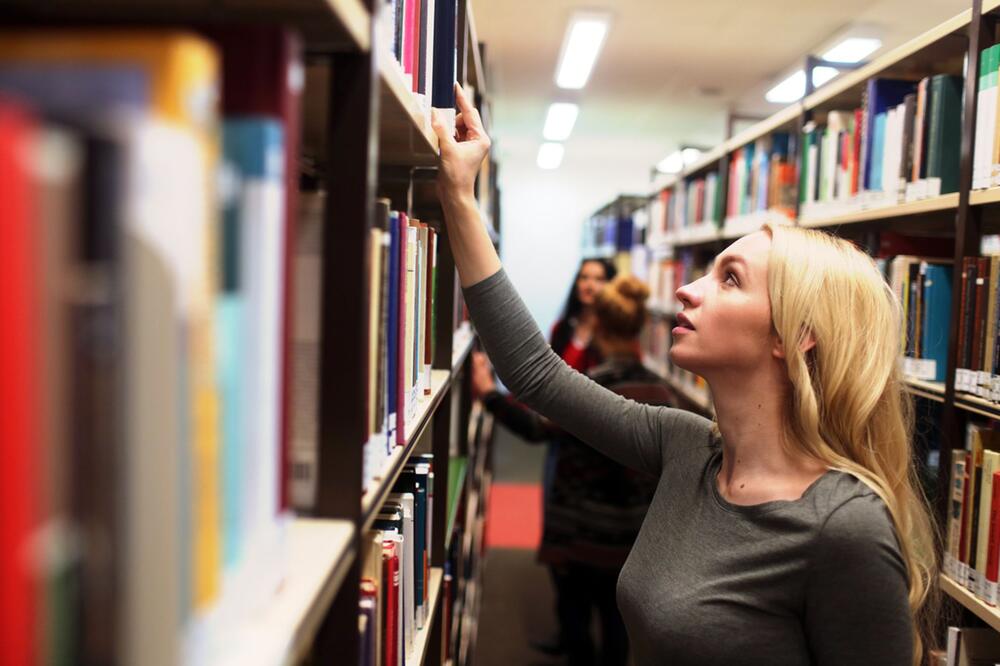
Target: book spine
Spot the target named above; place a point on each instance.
(401, 356)
(993, 554)
(429, 311)
(955, 507)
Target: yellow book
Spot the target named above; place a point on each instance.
(991, 464)
(183, 71)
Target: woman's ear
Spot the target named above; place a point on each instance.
(807, 343)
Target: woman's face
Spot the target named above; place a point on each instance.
(726, 319)
(591, 280)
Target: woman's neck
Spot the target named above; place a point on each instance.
(756, 466)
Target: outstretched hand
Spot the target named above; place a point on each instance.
(462, 153)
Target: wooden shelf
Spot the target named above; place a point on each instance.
(858, 77)
(934, 204)
(282, 632)
(421, 638)
(977, 405)
(326, 25)
(372, 500)
(706, 160)
(930, 390)
(405, 133)
(984, 197)
(981, 609)
(789, 116)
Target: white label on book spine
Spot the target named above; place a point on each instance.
(983, 382)
(991, 592)
(933, 188)
(949, 565)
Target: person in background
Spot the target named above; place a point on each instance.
(571, 338)
(594, 507)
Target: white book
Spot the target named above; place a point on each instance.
(407, 563)
(813, 181)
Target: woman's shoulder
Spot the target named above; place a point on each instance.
(853, 516)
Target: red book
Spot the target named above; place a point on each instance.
(401, 387)
(665, 200)
(409, 35)
(993, 552)
(856, 151)
(19, 437)
(417, 39)
(263, 75)
(392, 631)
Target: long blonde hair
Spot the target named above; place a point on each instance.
(848, 407)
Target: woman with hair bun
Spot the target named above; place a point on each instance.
(792, 530)
(594, 506)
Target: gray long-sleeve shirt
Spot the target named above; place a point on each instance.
(818, 580)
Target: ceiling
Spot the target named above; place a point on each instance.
(667, 74)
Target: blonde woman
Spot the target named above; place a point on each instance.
(792, 530)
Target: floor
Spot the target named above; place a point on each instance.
(517, 605)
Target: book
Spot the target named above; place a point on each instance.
(953, 566)
(19, 427)
(945, 131)
(936, 317)
(263, 75)
(991, 464)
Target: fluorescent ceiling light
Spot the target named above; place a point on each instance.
(794, 87)
(581, 45)
(550, 155)
(853, 49)
(677, 160)
(560, 120)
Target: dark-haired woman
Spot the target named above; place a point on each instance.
(572, 339)
(595, 506)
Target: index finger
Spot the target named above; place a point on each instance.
(463, 102)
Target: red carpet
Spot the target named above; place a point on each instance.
(514, 516)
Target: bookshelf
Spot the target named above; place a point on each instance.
(957, 220)
(982, 610)
(365, 136)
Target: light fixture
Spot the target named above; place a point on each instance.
(581, 45)
(560, 120)
(853, 49)
(794, 87)
(677, 160)
(550, 155)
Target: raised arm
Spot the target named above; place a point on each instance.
(624, 430)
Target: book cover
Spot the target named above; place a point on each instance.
(945, 131)
(391, 578)
(445, 53)
(991, 464)
(955, 506)
(993, 553)
(19, 632)
(937, 317)
(263, 75)
(875, 170)
(401, 356)
(392, 331)
(406, 502)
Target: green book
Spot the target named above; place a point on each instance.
(944, 146)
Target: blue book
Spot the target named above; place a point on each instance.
(878, 146)
(880, 95)
(937, 315)
(249, 317)
(445, 53)
(74, 90)
(392, 344)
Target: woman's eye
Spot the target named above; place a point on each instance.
(731, 279)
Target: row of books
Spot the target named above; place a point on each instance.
(421, 36)
(973, 524)
(395, 585)
(978, 361)
(157, 297)
(902, 144)
(401, 328)
(923, 288)
(986, 146)
(762, 177)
